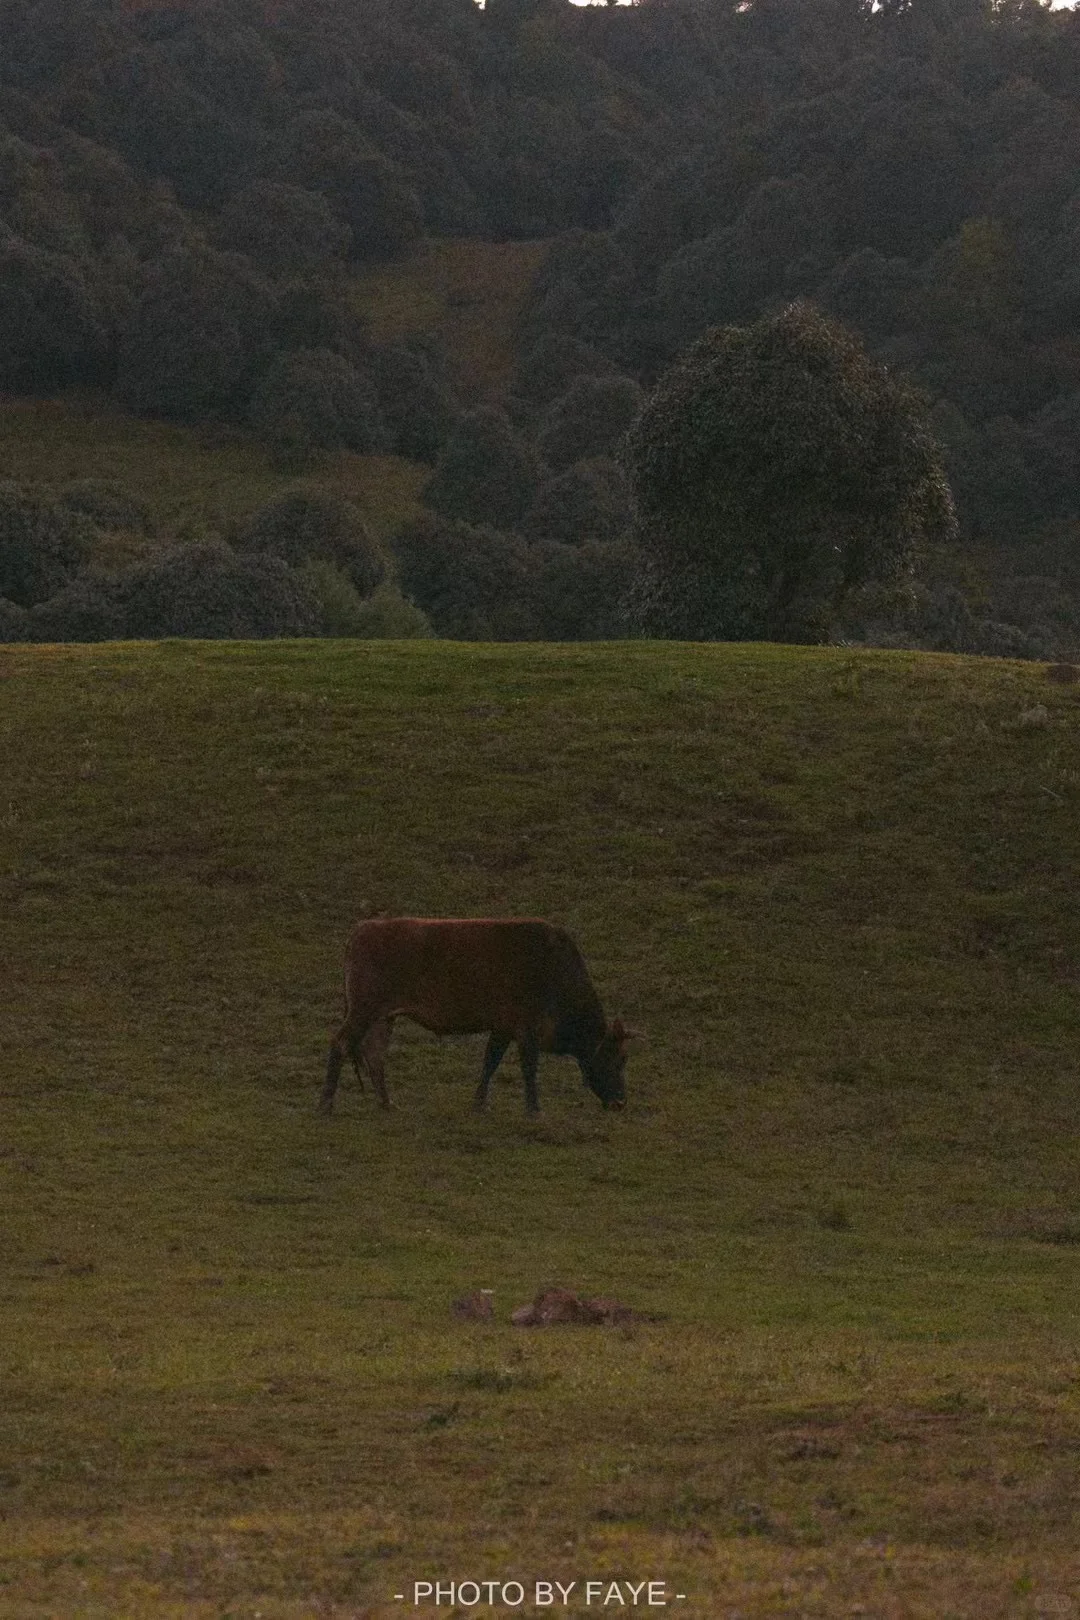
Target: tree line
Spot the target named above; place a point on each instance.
(186, 192)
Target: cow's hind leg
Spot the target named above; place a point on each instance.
(493, 1056)
(373, 1050)
(529, 1051)
(351, 1041)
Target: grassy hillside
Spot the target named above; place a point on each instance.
(185, 475)
(839, 896)
(468, 293)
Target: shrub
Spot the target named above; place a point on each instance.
(313, 399)
(205, 589)
(473, 583)
(590, 501)
(580, 591)
(305, 523)
(90, 608)
(14, 621)
(107, 505)
(941, 619)
(326, 152)
(52, 331)
(317, 313)
(555, 361)
(484, 474)
(285, 229)
(42, 544)
(198, 334)
(416, 403)
(339, 601)
(385, 615)
(590, 419)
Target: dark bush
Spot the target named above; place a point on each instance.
(317, 313)
(590, 419)
(416, 402)
(145, 107)
(305, 523)
(107, 505)
(314, 399)
(14, 621)
(42, 544)
(580, 590)
(590, 501)
(940, 618)
(545, 373)
(198, 336)
(474, 584)
(285, 229)
(206, 590)
(52, 331)
(484, 473)
(369, 194)
(90, 608)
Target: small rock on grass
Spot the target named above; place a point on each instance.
(559, 1305)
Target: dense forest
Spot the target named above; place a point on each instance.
(188, 193)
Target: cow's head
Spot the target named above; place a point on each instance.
(604, 1070)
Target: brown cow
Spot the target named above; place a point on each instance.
(517, 979)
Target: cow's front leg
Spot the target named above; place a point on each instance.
(493, 1056)
(529, 1051)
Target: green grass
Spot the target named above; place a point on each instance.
(838, 894)
(469, 293)
(187, 476)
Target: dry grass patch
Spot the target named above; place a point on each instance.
(470, 293)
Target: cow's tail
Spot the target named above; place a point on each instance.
(334, 1060)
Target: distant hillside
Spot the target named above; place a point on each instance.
(190, 198)
(471, 295)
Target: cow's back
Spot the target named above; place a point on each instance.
(461, 975)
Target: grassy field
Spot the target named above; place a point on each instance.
(469, 293)
(187, 476)
(836, 891)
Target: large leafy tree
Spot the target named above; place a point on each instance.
(776, 467)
